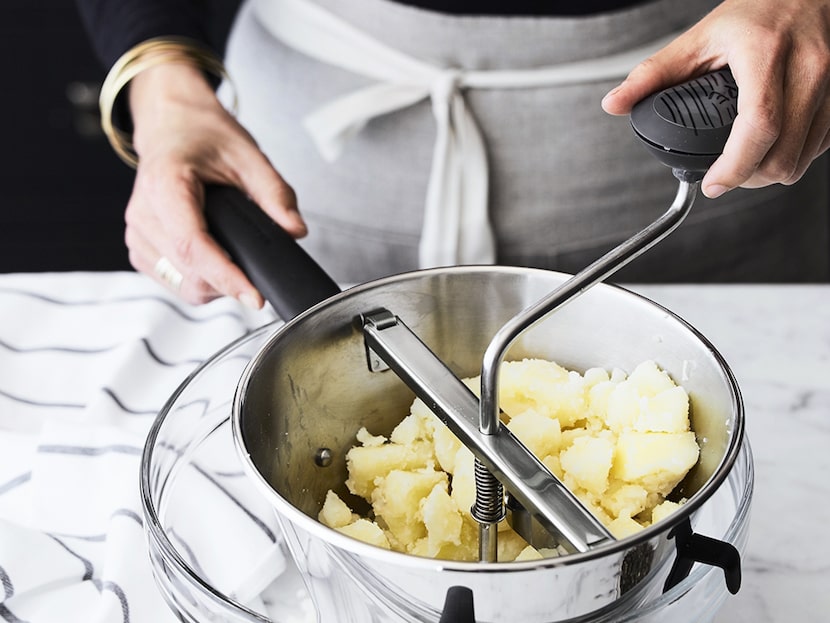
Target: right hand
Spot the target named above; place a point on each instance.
(779, 54)
(185, 139)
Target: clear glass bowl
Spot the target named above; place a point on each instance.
(215, 545)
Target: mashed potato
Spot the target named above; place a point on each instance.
(619, 443)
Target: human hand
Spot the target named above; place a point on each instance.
(779, 54)
(184, 139)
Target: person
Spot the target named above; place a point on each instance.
(393, 135)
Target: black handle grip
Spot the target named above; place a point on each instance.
(693, 547)
(275, 263)
(686, 126)
(458, 606)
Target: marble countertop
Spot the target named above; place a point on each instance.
(73, 345)
(776, 339)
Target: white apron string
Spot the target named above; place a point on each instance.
(456, 226)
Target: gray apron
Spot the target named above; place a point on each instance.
(564, 180)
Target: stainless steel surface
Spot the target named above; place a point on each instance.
(488, 539)
(310, 388)
(488, 510)
(505, 456)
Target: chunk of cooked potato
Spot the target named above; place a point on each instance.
(540, 433)
(657, 461)
(619, 443)
(587, 462)
(366, 531)
(335, 512)
(366, 464)
(396, 500)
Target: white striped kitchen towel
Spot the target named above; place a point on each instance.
(86, 362)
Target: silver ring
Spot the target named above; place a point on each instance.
(168, 273)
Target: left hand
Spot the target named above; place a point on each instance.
(779, 54)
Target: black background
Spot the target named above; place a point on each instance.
(63, 189)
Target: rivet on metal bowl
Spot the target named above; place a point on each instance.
(322, 457)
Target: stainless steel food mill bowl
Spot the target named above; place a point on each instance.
(309, 389)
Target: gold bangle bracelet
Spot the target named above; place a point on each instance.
(138, 58)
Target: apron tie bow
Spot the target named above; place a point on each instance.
(456, 225)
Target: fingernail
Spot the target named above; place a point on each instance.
(715, 190)
(608, 100)
(250, 301)
(298, 221)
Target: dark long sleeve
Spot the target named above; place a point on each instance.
(114, 26)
